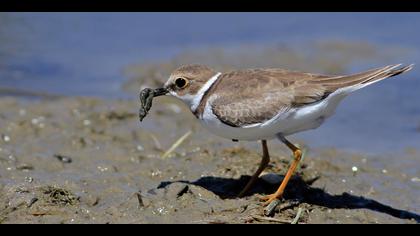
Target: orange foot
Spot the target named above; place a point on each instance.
(269, 198)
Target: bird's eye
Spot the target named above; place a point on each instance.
(181, 82)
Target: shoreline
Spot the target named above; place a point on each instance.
(79, 160)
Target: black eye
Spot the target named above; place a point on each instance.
(180, 82)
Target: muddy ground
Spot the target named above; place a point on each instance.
(86, 160)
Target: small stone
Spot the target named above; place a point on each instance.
(63, 159)
(384, 171)
(354, 169)
(22, 112)
(271, 178)
(12, 158)
(102, 168)
(162, 210)
(86, 122)
(140, 148)
(29, 179)
(34, 121)
(25, 167)
(415, 179)
(156, 173)
(5, 138)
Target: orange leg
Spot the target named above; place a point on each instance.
(264, 162)
(297, 153)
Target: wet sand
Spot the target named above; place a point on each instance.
(89, 160)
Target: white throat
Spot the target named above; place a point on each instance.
(194, 100)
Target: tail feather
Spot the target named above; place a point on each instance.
(393, 71)
(360, 80)
(400, 70)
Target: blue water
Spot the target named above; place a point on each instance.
(85, 54)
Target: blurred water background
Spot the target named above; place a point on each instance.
(111, 55)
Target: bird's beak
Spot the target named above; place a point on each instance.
(160, 91)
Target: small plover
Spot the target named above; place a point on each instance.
(262, 104)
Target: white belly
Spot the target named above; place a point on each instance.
(293, 121)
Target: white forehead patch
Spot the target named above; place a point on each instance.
(194, 100)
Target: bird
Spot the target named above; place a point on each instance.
(260, 104)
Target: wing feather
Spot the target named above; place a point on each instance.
(252, 96)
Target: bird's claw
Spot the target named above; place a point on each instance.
(267, 199)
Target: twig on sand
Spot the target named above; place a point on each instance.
(176, 144)
(276, 205)
(140, 199)
(156, 142)
(264, 218)
(271, 207)
(297, 217)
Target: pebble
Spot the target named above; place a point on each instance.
(5, 138)
(25, 167)
(197, 149)
(86, 122)
(35, 121)
(63, 159)
(12, 158)
(38, 121)
(22, 112)
(102, 169)
(140, 148)
(384, 171)
(29, 179)
(162, 210)
(271, 178)
(156, 173)
(415, 179)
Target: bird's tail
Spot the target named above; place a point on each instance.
(350, 83)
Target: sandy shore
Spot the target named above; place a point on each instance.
(85, 160)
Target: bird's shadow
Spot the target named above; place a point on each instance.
(298, 189)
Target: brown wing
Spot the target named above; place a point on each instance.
(253, 96)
